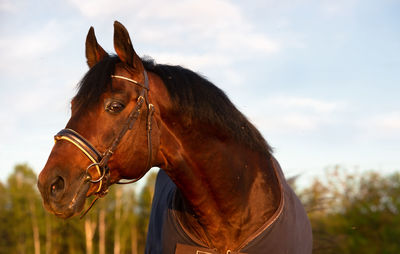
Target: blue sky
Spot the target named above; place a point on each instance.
(319, 78)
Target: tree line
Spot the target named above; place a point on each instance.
(349, 213)
(116, 224)
(354, 212)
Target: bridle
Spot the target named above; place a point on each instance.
(100, 161)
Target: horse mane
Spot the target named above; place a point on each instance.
(95, 82)
(192, 96)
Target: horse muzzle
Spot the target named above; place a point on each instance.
(61, 197)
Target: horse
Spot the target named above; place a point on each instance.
(219, 188)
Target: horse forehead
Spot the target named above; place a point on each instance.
(77, 110)
(124, 70)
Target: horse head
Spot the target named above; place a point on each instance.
(93, 152)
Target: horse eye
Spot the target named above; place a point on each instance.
(115, 107)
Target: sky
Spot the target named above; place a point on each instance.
(319, 78)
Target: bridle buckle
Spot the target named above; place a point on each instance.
(101, 170)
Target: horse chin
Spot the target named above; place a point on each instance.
(73, 206)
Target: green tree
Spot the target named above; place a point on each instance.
(23, 210)
(144, 207)
(5, 223)
(129, 221)
(355, 213)
(27, 228)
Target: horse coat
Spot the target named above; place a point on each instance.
(288, 231)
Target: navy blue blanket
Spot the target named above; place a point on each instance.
(289, 233)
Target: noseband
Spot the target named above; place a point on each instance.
(100, 161)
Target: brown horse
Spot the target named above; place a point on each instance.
(220, 189)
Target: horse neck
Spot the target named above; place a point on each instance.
(231, 189)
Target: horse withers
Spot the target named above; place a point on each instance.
(219, 190)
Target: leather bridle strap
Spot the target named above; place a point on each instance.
(80, 142)
(85, 146)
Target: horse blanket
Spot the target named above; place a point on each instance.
(288, 233)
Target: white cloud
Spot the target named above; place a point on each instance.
(237, 41)
(287, 122)
(32, 44)
(21, 49)
(8, 6)
(95, 8)
(195, 13)
(332, 8)
(390, 121)
(198, 12)
(381, 126)
(218, 23)
(296, 103)
(291, 113)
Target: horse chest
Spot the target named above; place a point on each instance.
(287, 234)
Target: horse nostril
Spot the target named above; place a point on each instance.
(57, 186)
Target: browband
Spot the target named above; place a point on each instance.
(133, 81)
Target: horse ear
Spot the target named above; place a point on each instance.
(94, 52)
(123, 46)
